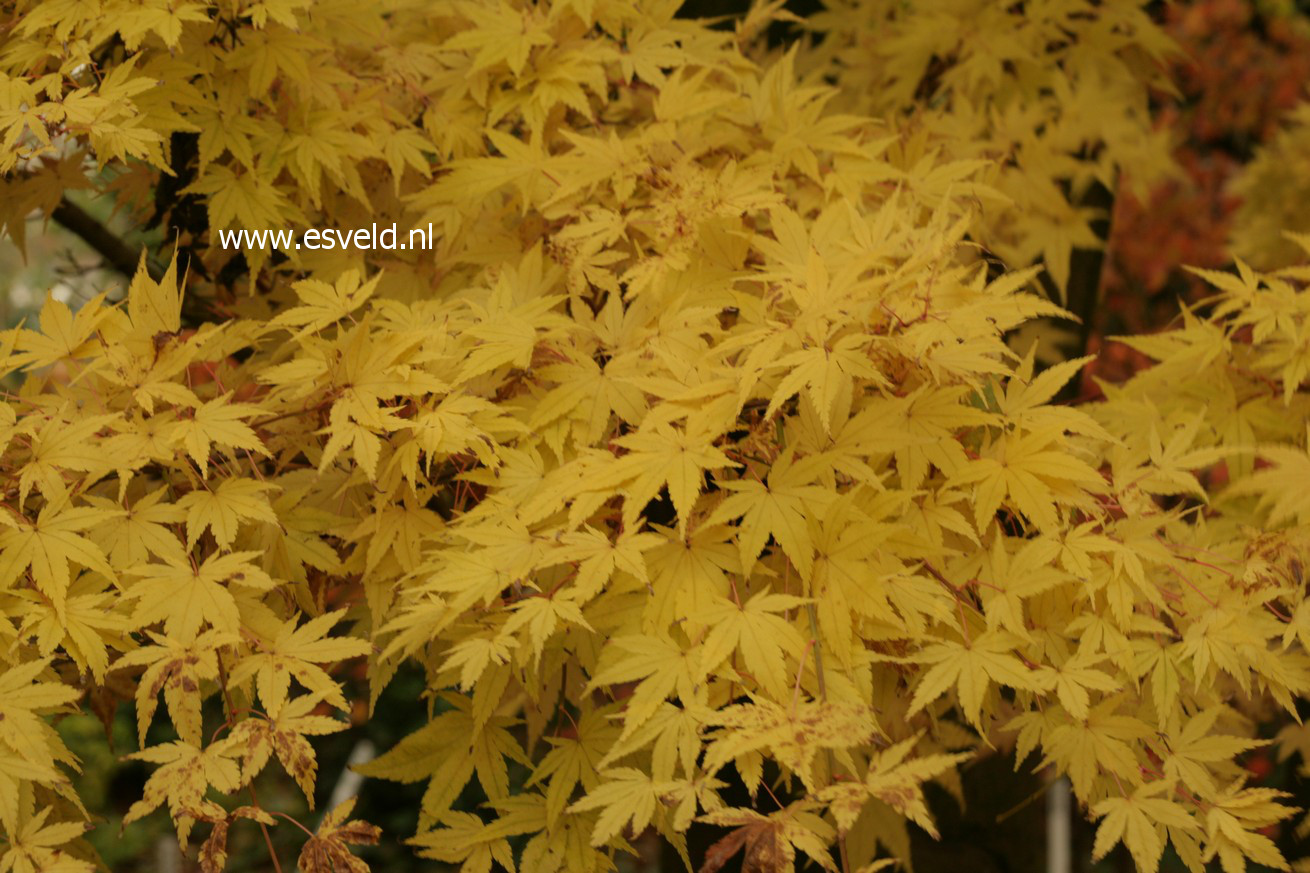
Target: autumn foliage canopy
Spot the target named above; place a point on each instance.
(699, 451)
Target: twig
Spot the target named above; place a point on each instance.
(800, 671)
(254, 798)
(823, 695)
(116, 253)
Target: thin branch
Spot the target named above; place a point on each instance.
(823, 694)
(117, 254)
(254, 798)
(1085, 268)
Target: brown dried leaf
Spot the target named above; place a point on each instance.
(327, 851)
(283, 734)
(770, 841)
(213, 852)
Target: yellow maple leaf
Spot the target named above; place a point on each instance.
(187, 771)
(779, 508)
(664, 455)
(663, 667)
(36, 847)
(972, 666)
(282, 732)
(216, 421)
(627, 796)
(222, 509)
(761, 635)
(322, 304)
(1139, 822)
(177, 668)
(184, 595)
(48, 546)
(896, 780)
(297, 650)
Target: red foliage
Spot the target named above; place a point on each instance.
(1240, 73)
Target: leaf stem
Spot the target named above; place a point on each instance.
(800, 671)
(254, 798)
(823, 694)
(290, 819)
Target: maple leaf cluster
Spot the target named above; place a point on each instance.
(693, 455)
(1052, 97)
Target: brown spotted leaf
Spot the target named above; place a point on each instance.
(283, 734)
(177, 669)
(213, 852)
(328, 850)
(793, 735)
(770, 841)
(186, 773)
(896, 780)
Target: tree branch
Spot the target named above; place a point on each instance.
(117, 254)
(1084, 292)
(1086, 265)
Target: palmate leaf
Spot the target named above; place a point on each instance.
(88, 629)
(185, 596)
(155, 307)
(48, 546)
(627, 798)
(36, 846)
(1140, 823)
(323, 304)
(296, 651)
(793, 735)
(328, 850)
(756, 631)
(663, 668)
(778, 508)
(177, 668)
(1034, 472)
(484, 750)
(972, 666)
(130, 534)
(1283, 487)
(213, 852)
(769, 842)
(285, 733)
(893, 780)
(62, 445)
(64, 336)
(222, 510)
(243, 200)
(187, 771)
(666, 457)
(575, 761)
(217, 422)
(23, 701)
(465, 838)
